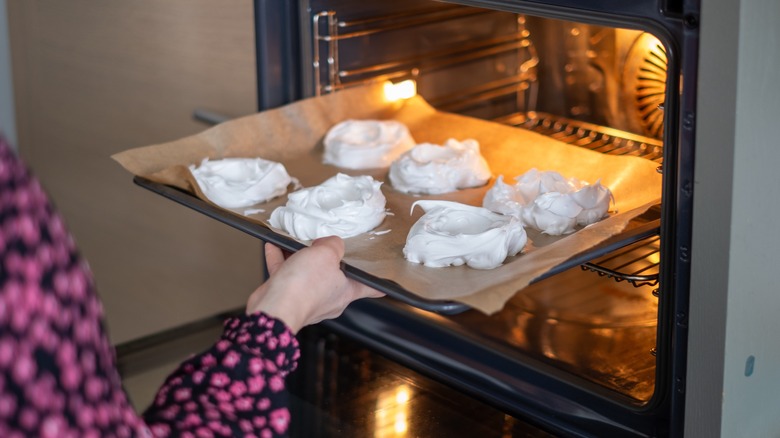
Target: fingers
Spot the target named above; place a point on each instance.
(357, 290)
(273, 258)
(360, 290)
(373, 293)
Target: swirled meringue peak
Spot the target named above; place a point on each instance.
(432, 169)
(552, 213)
(453, 234)
(343, 206)
(595, 201)
(503, 198)
(534, 183)
(366, 144)
(549, 202)
(240, 182)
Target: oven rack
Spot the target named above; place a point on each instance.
(588, 135)
(637, 264)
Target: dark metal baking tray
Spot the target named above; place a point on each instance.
(386, 286)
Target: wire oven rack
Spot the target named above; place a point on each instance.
(588, 135)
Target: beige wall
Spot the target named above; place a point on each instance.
(93, 78)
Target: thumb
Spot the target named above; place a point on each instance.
(273, 258)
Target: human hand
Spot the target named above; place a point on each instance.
(309, 286)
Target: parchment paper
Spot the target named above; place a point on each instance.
(293, 135)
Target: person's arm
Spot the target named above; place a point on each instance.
(58, 374)
(237, 386)
(234, 388)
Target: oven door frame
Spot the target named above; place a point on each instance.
(541, 392)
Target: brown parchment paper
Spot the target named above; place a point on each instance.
(293, 135)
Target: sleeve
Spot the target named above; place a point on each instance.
(236, 388)
(58, 375)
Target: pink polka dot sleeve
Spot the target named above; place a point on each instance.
(58, 375)
(235, 388)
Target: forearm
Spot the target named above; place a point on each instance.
(235, 387)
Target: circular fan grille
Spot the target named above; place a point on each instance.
(645, 84)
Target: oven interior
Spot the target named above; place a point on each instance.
(591, 86)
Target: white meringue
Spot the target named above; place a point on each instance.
(450, 233)
(594, 200)
(503, 198)
(433, 169)
(534, 183)
(240, 182)
(552, 213)
(366, 144)
(342, 206)
(549, 202)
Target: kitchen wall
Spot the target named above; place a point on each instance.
(92, 78)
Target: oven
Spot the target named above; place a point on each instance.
(598, 349)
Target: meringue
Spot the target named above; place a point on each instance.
(366, 144)
(595, 201)
(342, 206)
(549, 202)
(240, 182)
(552, 213)
(432, 169)
(453, 234)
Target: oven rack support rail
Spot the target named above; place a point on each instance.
(329, 32)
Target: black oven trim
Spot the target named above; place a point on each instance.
(279, 69)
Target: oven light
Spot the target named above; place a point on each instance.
(400, 90)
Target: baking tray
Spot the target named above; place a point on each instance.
(638, 229)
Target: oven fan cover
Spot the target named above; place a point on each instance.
(644, 85)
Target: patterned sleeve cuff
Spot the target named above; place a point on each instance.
(264, 336)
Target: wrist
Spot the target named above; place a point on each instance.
(261, 301)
